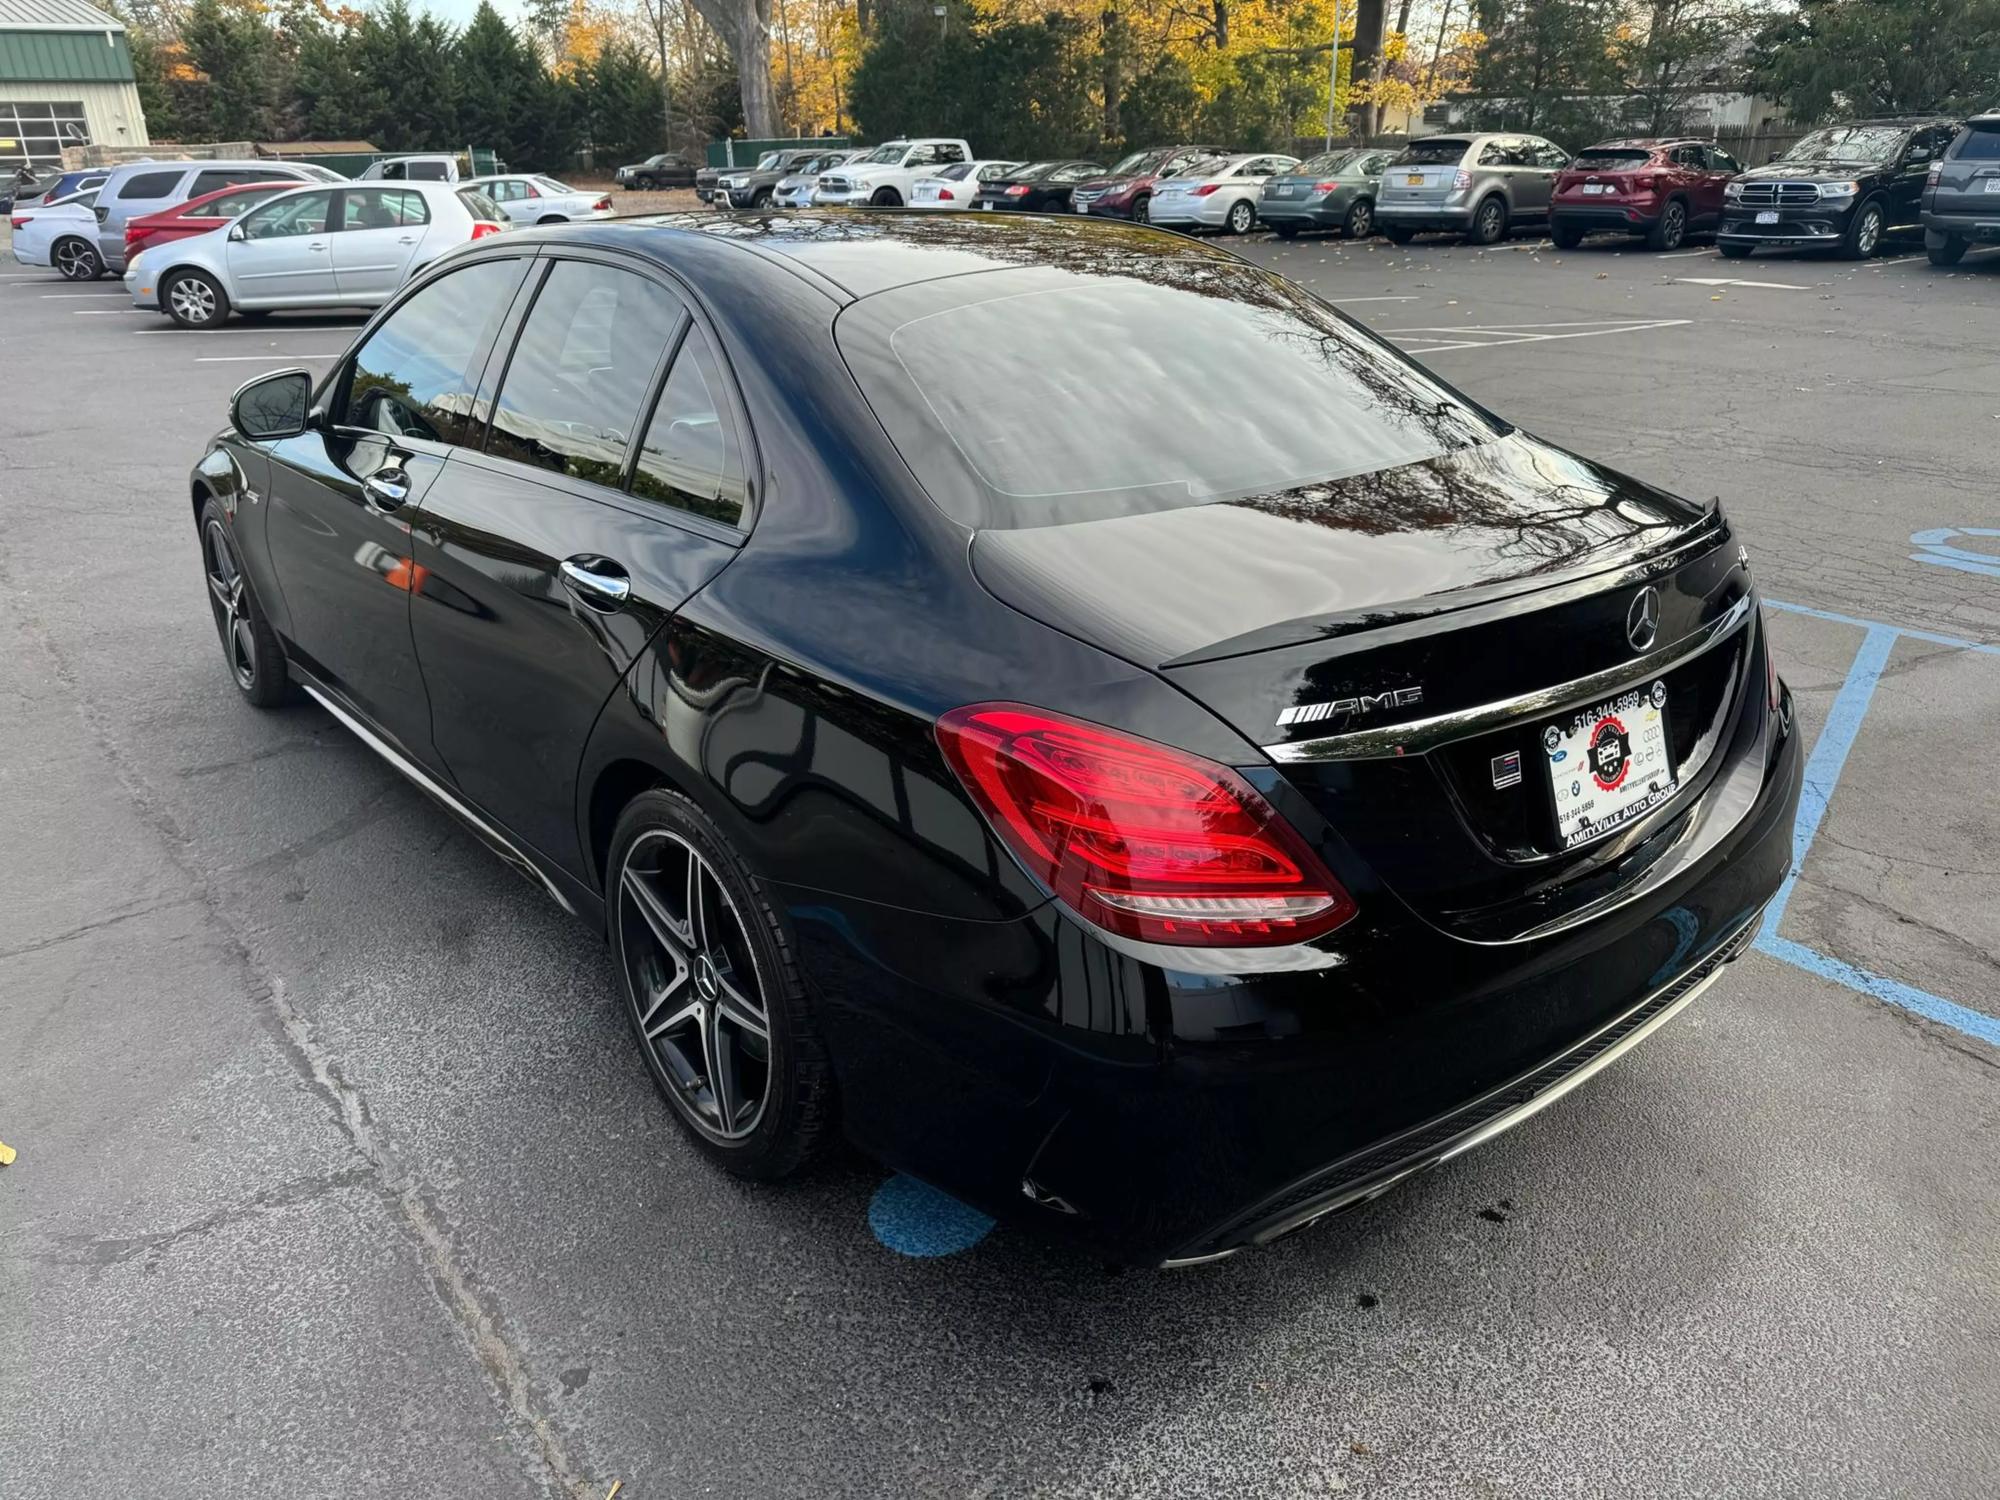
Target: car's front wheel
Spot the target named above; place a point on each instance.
(1864, 235)
(1142, 209)
(644, 184)
(249, 644)
(713, 992)
(552, 219)
(1734, 249)
(887, 198)
(78, 260)
(194, 299)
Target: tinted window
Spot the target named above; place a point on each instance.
(1075, 172)
(302, 213)
(581, 367)
(1979, 143)
(229, 205)
(691, 457)
(480, 206)
(1721, 161)
(428, 171)
(1611, 159)
(383, 208)
(954, 172)
(414, 376)
(1041, 396)
(147, 185)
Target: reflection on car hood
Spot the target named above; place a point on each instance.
(1264, 571)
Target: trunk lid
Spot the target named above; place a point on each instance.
(1968, 181)
(1428, 179)
(1396, 640)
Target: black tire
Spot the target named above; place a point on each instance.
(249, 645)
(194, 299)
(1489, 222)
(1949, 253)
(1565, 236)
(1360, 221)
(551, 219)
(886, 198)
(1399, 234)
(76, 258)
(644, 184)
(760, 199)
(1142, 209)
(1864, 232)
(1286, 231)
(657, 836)
(1734, 250)
(1669, 231)
(1241, 218)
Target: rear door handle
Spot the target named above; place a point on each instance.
(408, 239)
(596, 581)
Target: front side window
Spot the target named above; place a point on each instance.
(414, 375)
(1721, 161)
(143, 187)
(383, 208)
(691, 458)
(299, 213)
(581, 366)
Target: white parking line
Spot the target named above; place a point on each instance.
(209, 333)
(1522, 334)
(1776, 286)
(1901, 260)
(1343, 301)
(1683, 254)
(99, 312)
(59, 296)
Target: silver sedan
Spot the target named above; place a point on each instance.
(528, 198)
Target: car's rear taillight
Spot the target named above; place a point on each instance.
(20, 221)
(1937, 170)
(482, 227)
(1461, 180)
(944, 195)
(602, 205)
(1206, 188)
(1137, 837)
(1324, 187)
(1018, 190)
(133, 238)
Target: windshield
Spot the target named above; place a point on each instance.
(888, 155)
(768, 159)
(1075, 395)
(550, 185)
(1610, 159)
(1848, 143)
(1327, 162)
(1438, 151)
(1138, 164)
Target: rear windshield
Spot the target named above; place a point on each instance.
(1041, 396)
(1328, 162)
(1438, 151)
(1622, 159)
(481, 207)
(1979, 142)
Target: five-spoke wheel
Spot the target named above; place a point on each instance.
(249, 645)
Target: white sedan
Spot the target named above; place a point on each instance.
(530, 199)
(1223, 197)
(311, 247)
(61, 234)
(954, 186)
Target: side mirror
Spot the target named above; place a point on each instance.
(236, 233)
(273, 406)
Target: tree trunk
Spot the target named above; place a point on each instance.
(1221, 11)
(1112, 50)
(746, 26)
(1370, 18)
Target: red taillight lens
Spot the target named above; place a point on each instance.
(481, 228)
(1461, 180)
(1018, 190)
(600, 205)
(1137, 837)
(944, 195)
(1206, 188)
(1644, 185)
(1324, 187)
(20, 221)
(132, 239)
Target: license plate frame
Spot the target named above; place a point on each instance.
(1595, 188)
(1609, 765)
(1767, 216)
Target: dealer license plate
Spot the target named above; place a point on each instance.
(1595, 187)
(1767, 216)
(1611, 765)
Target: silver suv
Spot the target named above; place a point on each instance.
(146, 187)
(1480, 186)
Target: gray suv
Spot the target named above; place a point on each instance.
(1961, 198)
(146, 187)
(1480, 186)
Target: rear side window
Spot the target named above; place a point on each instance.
(480, 206)
(1437, 151)
(414, 375)
(145, 186)
(1978, 143)
(585, 358)
(1040, 396)
(383, 208)
(691, 458)
(427, 171)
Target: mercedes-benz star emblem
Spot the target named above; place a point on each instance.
(1642, 620)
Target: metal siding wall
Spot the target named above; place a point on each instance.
(110, 110)
(64, 57)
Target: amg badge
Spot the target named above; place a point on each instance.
(1367, 703)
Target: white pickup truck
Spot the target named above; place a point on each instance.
(885, 176)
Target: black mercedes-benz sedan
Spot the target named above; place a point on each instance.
(1045, 698)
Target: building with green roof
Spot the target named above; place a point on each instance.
(65, 80)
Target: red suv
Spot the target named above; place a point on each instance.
(1664, 190)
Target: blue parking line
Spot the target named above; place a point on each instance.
(1822, 775)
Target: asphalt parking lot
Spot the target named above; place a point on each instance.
(338, 1174)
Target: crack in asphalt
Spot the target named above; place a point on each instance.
(111, 1250)
(474, 1312)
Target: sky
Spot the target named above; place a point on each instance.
(458, 12)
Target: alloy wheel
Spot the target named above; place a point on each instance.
(1241, 216)
(1869, 234)
(193, 299)
(232, 619)
(76, 260)
(1673, 227)
(1360, 221)
(693, 985)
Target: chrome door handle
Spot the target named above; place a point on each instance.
(408, 239)
(597, 581)
(387, 489)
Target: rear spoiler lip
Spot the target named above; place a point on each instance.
(1558, 587)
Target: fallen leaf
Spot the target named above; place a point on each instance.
(6, 1155)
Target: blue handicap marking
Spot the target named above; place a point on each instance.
(913, 1218)
(1939, 551)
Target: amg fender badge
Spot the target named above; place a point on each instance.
(1367, 703)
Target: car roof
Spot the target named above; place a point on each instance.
(1647, 142)
(852, 254)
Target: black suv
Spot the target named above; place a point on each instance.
(667, 169)
(1846, 187)
(751, 187)
(1961, 201)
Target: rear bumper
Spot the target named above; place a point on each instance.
(1980, 229)
(1205, 212)
(1328, 212)
(1629, 217)
(1163, 1106)
(1453, 216)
